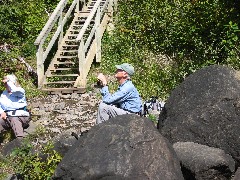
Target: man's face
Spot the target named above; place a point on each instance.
(5, 84)
(119, 74)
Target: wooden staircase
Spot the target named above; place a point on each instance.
(77, 36)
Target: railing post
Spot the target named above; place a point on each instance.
(77, 6)
(97, 35)
(40, 65)
(60, 23)
(81, 57)
(115, 5)
(110, 26)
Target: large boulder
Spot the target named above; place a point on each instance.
(125, 147)
(202, 162)
(205, 109)
(237, 175)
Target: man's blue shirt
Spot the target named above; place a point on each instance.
(126, 97)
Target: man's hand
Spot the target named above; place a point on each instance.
(102, 78)
(3, 115)
(5, 80)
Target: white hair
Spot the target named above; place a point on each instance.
(12, 78)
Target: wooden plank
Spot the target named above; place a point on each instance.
(70, 45)
(62, 69)
(61, 89)
(72, 35)
(81, 58)
(83, 14)
(40, 65)
(63, 75)
(68, 51)
(98, 37)
(60, 82)
(65, 62)
(78, 90)
(66, 57)
(90, 36)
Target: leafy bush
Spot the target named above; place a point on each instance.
(168, 40)
(9, 64)
(32, 165)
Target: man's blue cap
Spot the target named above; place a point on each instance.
(128, 68)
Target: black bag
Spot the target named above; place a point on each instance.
(152, 105)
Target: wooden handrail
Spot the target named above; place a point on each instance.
(48, 26)
(39, 42)
(59, 29)
(87, 51)
(87, 48)
(87, 22)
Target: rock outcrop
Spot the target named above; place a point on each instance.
(203, 162)
(205, 109)
(125, 147)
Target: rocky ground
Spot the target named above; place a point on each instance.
(61, 113)
(56, 114)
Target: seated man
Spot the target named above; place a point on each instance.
(125, 100)
(13, 112)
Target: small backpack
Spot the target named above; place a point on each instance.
(152, 105)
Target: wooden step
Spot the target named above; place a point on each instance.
(72, 35)
(70, 40)
(80, 21)
(64, 90)
(59, 82)
(74, 30)
(62, 75)
(68, 51)
(69, 48)
(56, 63)
(81, 17)
(63, 69)
(70, 45)
(66, 57)
(83, 14)
(77, 26)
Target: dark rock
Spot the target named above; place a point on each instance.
(237, 175)
(63, 142)
(203, 162)
(205, 109)
(10, 146)
(125, 147)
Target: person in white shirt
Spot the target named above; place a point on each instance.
(13, 107)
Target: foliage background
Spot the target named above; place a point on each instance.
(165, 41)
(168, 40)
(20, 23)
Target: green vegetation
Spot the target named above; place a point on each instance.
(168, 40)
(20, 23)
(35, 165)
(165, 41)
(31, 162)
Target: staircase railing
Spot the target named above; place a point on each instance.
(91, 45)
(57, 15)
(89, 37)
